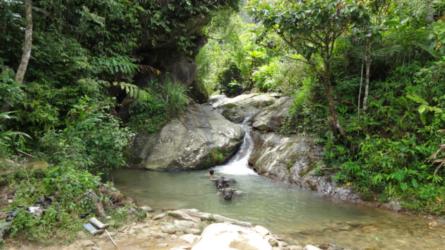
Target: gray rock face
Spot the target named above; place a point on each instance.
(247, 105)
(268, 111)
(200, 138)
(294, 159)
(273, 117)
(288, 158)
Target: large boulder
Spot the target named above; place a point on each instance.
(225, 236)
(238, 108)
(272, 117)
(294, 159)
(268, 111)
(199, 138)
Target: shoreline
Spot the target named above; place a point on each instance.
(162, 230)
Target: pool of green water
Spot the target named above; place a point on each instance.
(295, 214)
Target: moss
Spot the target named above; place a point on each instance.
(216, 157)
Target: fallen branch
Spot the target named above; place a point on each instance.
(111, 238)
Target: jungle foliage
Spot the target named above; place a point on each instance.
(80, 98)
(367, 76)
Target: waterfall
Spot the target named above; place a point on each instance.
(239, 165)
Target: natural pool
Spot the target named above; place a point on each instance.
(296, 214)
(286, 210)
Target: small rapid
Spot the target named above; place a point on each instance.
(239, 164)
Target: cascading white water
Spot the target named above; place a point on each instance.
(239, 165)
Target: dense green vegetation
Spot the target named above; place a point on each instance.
(77, 80)
(367, 76)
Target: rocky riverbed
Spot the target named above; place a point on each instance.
(185, 229)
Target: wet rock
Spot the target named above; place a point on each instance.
(199, 138)
(183, 215)
(222, 236)
(198, 214)
(222, 219)
(262, 230)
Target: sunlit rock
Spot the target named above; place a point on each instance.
(224, 236)
(199, 138)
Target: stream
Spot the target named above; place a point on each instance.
(296, 214)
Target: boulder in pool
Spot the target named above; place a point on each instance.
(224, 236)
(198, 139)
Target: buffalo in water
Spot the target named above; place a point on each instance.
(223, 182)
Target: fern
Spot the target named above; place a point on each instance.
(9, 138)
(134, 91)
(116, 65)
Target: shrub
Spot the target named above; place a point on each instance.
(93, 139)
(231, 81)
(169, 100)
(67, 187)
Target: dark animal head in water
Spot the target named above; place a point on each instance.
(211, 172)
(228, 193)
(221, 183)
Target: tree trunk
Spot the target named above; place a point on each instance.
(330, 96)
(368, 62)
(333, 117)
(359, 102)
(27, 44)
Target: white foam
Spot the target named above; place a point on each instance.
(239, 164)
